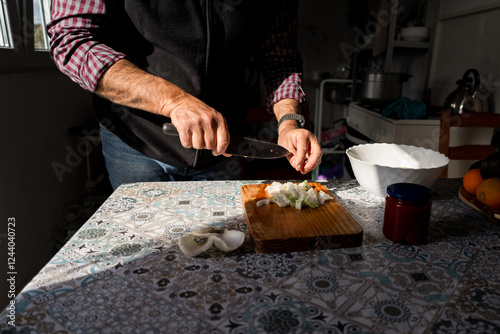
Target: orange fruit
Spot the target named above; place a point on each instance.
(488, 192)
(471, 180)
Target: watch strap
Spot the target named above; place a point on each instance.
(296, 117)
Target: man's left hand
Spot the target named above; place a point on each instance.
(305, 151)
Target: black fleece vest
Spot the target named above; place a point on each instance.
(200, 45)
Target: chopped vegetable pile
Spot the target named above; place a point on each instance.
(293, 194)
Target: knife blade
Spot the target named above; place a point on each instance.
(243, 146)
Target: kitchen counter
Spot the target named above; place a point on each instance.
(123, 272)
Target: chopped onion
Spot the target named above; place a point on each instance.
(264, 201)
(296, 195)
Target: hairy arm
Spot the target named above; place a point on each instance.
(199, 125)
(304, 146)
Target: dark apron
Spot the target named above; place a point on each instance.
(201, 46)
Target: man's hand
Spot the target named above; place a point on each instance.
(305, 150)
(199, 125)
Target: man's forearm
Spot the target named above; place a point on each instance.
(283, 107)
(199, 125)
(126, 84)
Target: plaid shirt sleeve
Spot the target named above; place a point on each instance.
(282, 60)
(73, 47)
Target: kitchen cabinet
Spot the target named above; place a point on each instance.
(370, 123)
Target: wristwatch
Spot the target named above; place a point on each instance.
(297, 117)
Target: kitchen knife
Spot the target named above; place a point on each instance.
(242, 146)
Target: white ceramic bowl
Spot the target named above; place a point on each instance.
(376, 166)
(415, 34)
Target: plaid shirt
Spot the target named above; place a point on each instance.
(78, 54)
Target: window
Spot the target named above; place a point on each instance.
(5, 33)
(41, 16)
(23, 39)
(11, 48)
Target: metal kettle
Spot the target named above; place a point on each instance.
(464, 99)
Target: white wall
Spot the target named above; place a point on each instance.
(37, 109)
(467, 41)
(454, 8)
(463, 42)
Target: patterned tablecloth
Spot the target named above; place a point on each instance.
(123, 272)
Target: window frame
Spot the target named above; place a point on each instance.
(34, 57)
(23, 57)
(14, 56)
(5, 22)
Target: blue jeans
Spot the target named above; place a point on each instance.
(126, 165)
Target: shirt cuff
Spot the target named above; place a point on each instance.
(87, 63)
(98, 59)
(290, 88)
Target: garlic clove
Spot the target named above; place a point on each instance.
(193, 245)
(229, 240)
(203, 231)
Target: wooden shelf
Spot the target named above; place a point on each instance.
(412, 45)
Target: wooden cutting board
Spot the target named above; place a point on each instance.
(279, 230)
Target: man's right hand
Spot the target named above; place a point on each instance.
(199, 125)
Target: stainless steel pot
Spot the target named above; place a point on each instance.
(381, 87)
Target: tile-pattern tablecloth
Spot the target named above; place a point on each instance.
(123, 272)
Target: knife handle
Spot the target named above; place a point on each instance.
(170, 129)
